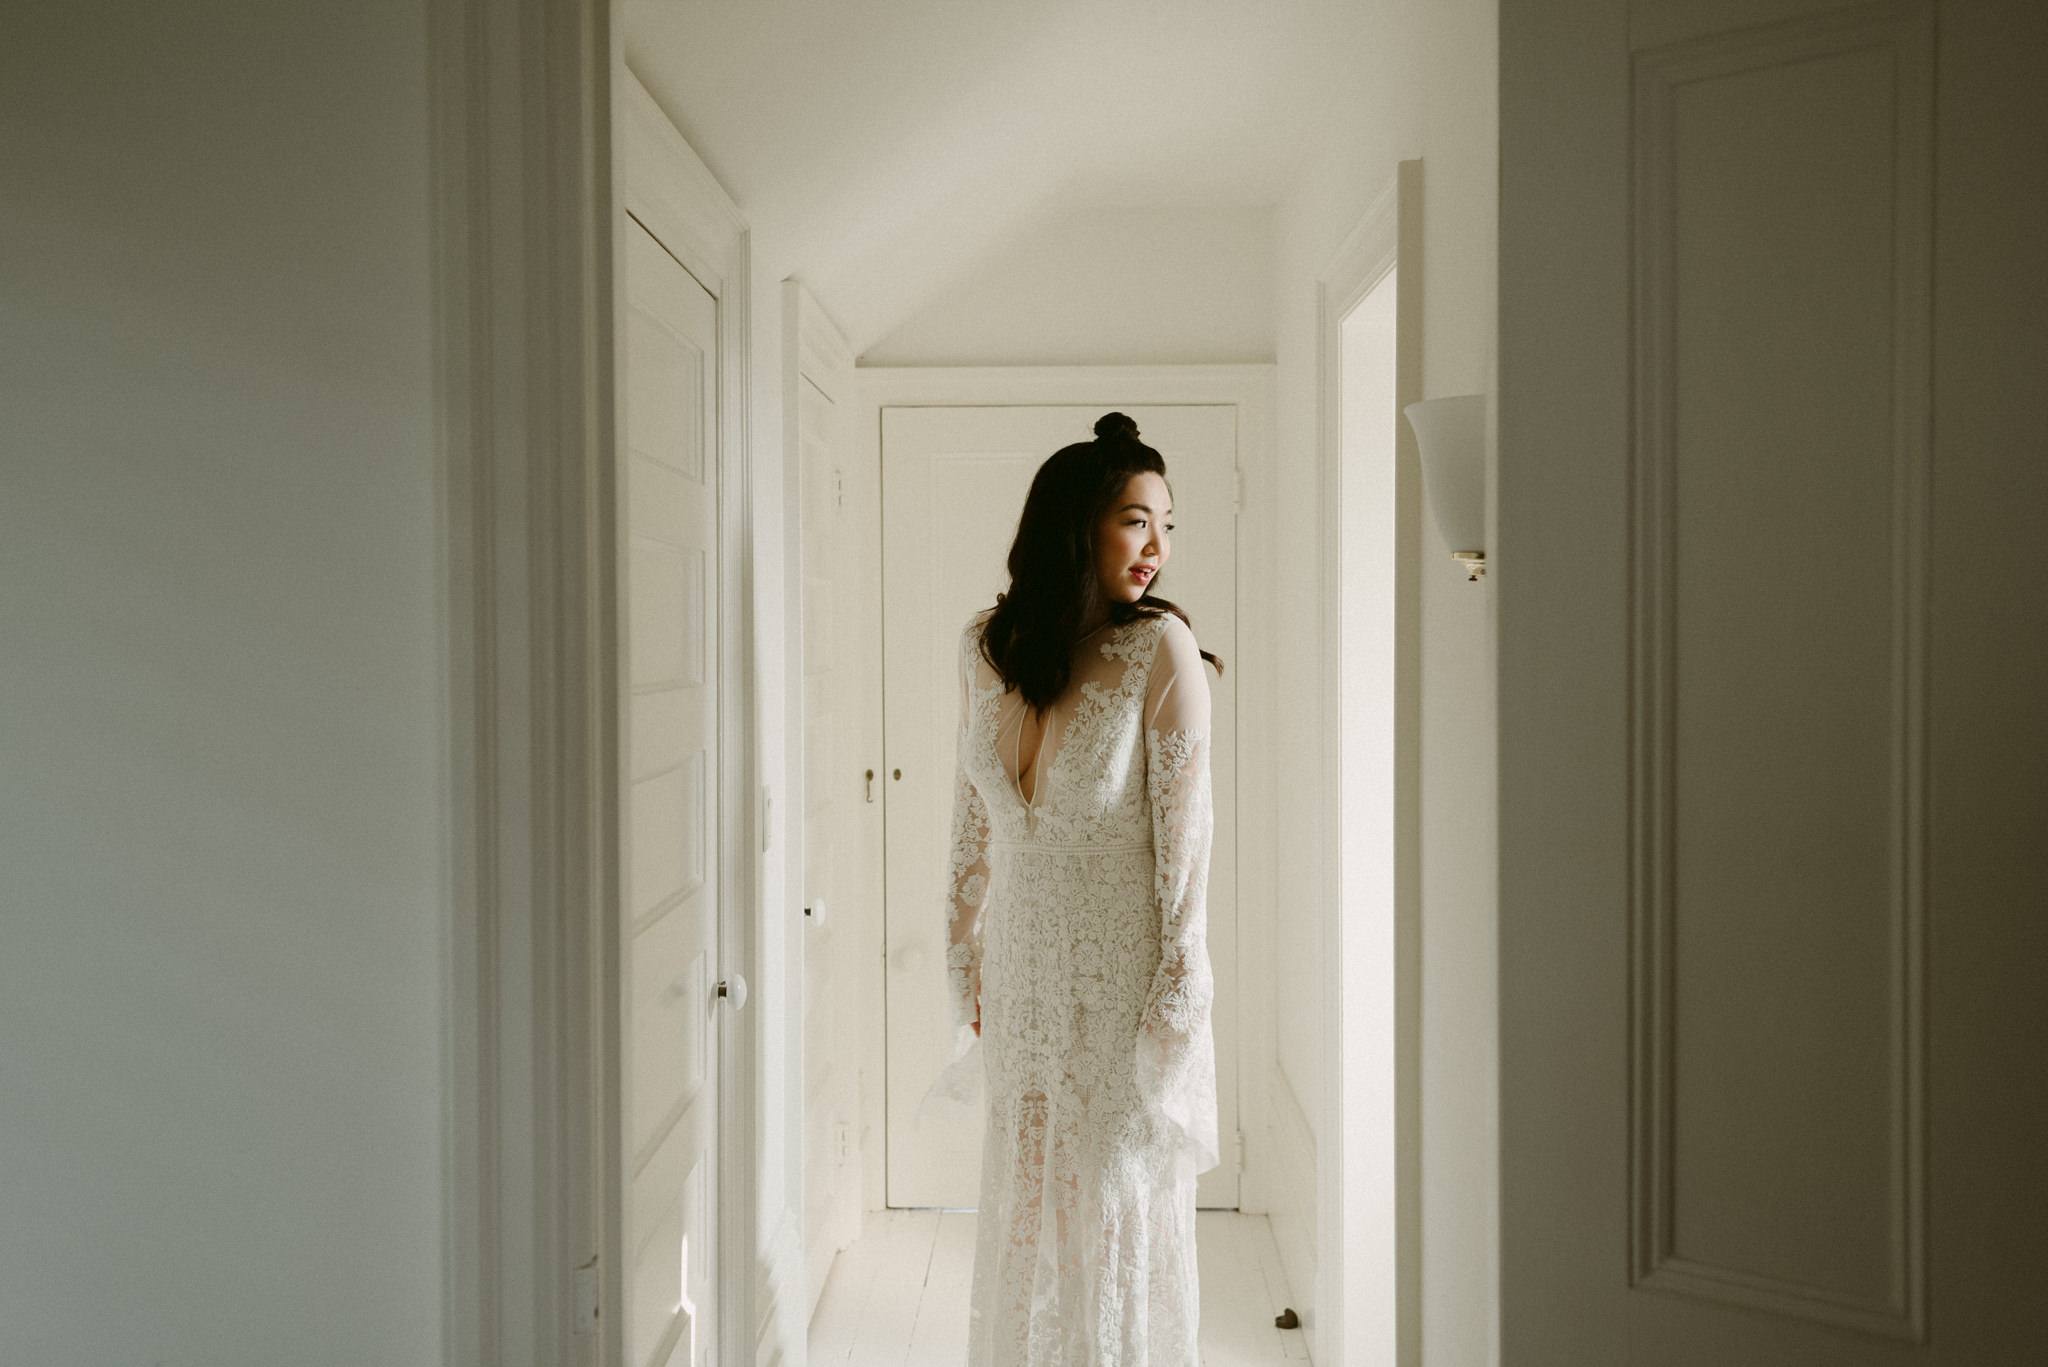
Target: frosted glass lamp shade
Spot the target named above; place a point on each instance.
(1451, 436)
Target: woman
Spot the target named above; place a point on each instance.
(1076, 950)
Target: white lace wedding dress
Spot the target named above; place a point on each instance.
(1076, 921)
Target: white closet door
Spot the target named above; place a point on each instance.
(668, 593)
(953, 483)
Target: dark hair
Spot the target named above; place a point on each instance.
(1030, 636)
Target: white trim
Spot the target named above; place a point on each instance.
(1251, 389)
(666, 186)
(1389, 234)
(522, 187)
(813, 346)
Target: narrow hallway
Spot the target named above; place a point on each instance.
(898, 1296)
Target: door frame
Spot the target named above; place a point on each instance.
(816, 354)
(1388, 236)
(526, 211)
(1251, 389)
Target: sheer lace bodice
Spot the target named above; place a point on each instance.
(1076, 939)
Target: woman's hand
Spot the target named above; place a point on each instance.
(977, 1011)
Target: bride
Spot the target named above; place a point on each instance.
(1081, 828)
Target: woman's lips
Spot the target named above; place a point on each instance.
(1143, 574)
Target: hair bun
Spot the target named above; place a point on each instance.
(1115, 427)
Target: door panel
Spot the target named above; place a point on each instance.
(1732, 1117)
(669, 757)
(953, 484)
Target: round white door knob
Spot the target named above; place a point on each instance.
(734, 990)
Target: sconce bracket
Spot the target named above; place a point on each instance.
(1474, 562)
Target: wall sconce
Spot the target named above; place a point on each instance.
(1451, 436)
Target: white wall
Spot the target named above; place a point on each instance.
(220, 736)
(1138, 286)
(1424, 87)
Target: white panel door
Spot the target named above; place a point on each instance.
(1771, 654)
(668, 938)
(842, 710)
(953, 484)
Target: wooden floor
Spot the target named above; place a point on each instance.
(898, 1296)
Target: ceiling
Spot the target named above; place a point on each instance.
(881, 150)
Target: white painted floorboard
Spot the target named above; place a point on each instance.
(898, 1296)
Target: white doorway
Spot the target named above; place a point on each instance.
(1369, 1178)
(1365, 849)
(601, 741)
(954, 479)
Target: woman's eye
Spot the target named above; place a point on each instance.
(1169, 526)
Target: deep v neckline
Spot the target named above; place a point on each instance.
(1039, 766)
(1037, 758)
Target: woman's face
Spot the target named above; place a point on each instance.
(1131, 542)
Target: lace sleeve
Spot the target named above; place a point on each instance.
(1176, 1049)
(967, 884)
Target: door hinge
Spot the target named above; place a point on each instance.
(1237, 491)
(584, 1319)
(1240, 1153)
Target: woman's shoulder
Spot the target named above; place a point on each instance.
(970, 636)
(1175, 633)
(1175, 650)
(1170, 635)
(1144, 639)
